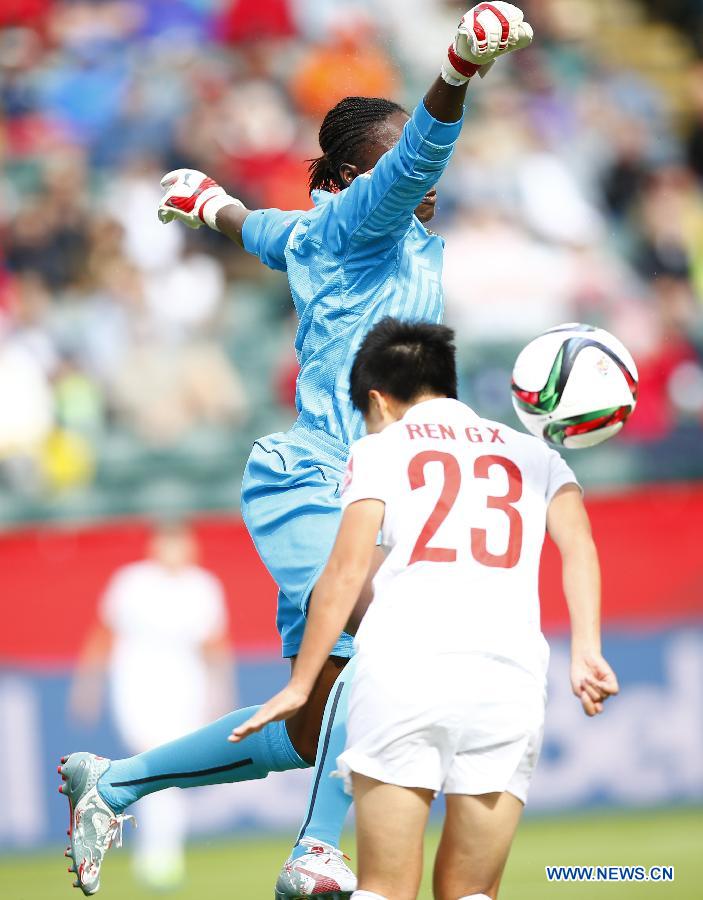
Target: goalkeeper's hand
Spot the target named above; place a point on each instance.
(192, 197)
(486, 32)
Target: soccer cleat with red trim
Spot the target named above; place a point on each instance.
(320, 873)
(93, 826)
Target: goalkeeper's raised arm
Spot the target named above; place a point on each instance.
(485, 33)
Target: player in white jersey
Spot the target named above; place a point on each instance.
(161, 636)
(462, 504)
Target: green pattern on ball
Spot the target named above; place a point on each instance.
(549, 396)
(555, 431)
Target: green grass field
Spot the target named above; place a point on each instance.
(246, 869)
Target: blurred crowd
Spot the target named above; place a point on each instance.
(575, 194)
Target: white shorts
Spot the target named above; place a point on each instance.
(457, 723)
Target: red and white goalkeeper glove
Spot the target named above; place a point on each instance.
(193, 198)
(486, 32)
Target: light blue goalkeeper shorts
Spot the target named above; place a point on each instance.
(290, 504)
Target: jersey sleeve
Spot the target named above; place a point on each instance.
(380, 204)
(559, 473)
(364, 478)
(265, 234)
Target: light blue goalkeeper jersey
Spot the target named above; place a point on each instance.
(357, 256)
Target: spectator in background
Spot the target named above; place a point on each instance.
(669, 223)
(526, 297)
(162, 636)
(164, 392)
(51, 409)
(47, 238)
(27, 415)
(575, 189)
(694, 147)
(241, 21)
(350, 63)
(130, 202)
(173, 374)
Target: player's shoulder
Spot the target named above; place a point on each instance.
(369, 444)
(334, 217)
(373, 449)
(521, 438)
(269, 224)
(525, 444)
(325, 204)
(126, 584)
(317, 225)
(203, 578)
(130, 571)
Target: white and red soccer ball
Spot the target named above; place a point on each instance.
(574, 385)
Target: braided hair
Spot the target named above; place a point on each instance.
(345, 128)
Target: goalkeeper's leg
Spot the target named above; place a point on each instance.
(99, 790)
(202, 757)
(206, 756)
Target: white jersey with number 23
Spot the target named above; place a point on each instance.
(465, 516)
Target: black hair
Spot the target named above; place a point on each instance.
(345, 128)
(404, 360)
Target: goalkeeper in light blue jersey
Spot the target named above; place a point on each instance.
(361, 253)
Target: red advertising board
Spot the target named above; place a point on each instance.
(650, 541)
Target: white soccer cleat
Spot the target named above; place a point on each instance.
(321, 873)
(93, 827)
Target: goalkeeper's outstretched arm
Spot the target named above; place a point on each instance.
(485, 32)
(230, 221)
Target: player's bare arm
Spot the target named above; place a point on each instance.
(592, 679)
(230, 221)
(331, 605)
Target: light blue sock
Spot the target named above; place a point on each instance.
(329, 804)
(202, 757)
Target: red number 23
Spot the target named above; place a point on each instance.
(450, 491)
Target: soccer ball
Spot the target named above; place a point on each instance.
(574, 386)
